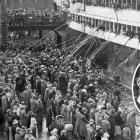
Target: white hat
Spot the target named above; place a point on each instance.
(98, 127)
(84, 90)
(53, 138)
(54, 131)
(106, 135)
(15, 122)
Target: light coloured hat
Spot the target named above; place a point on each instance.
(98, 127)
(54, 131)
(84, 90)
(106, 135)
(63, 132)
(15, 122)
(17, 129)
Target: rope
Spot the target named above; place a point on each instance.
(91, 35)
(98, 49)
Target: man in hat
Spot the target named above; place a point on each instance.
(105, 124)
(18, 136)
(4, 102)
(23, 116)
(33, 103)
(63, 135)
(28, 134)
(39, 114)
(33, 81)
(26, 96)
(14, 126)
(80, 129)
(98, 135)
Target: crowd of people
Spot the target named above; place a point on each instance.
(22, 17)
(113, 4)
(76, 98)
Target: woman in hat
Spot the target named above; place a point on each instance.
(33, 127)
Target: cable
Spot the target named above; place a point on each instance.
(93, 34)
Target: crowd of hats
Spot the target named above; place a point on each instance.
(82, 90)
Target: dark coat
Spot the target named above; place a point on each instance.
(33, 82)
(118, 119)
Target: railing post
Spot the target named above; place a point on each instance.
(95, 22)
(84, 5)
(136, 4)
(105, 3)
(91, 22)
(113, 27)
(136, 29)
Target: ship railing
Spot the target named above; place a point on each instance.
(118, 4)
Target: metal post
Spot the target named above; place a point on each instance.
(113, 27)
(91, 22)
(136, 4)
(84, 5)
(20, 3)
(94, 22)
(136, 29)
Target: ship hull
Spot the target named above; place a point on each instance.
(117, 59)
